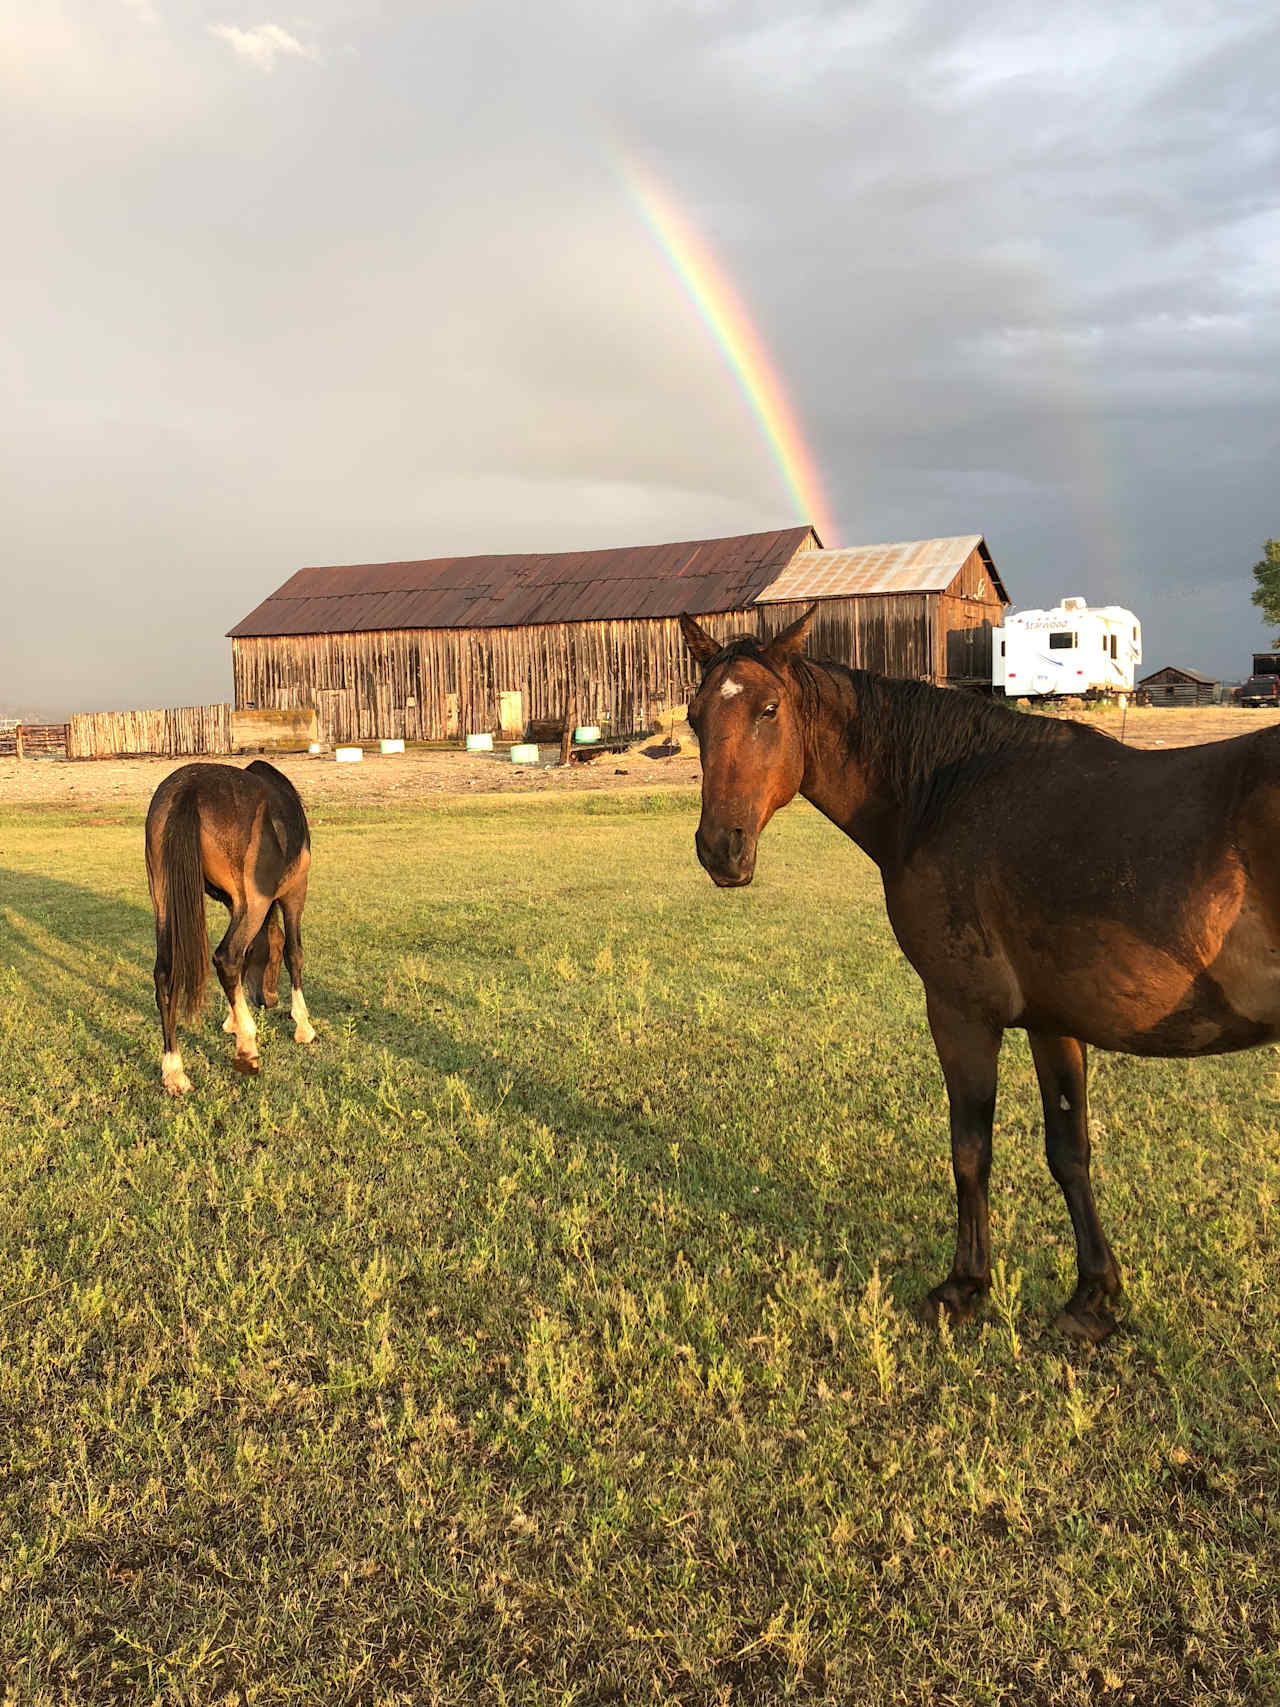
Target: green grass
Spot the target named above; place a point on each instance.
(546, 1333)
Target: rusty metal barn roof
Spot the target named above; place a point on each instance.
(700, 576)
(915, 566)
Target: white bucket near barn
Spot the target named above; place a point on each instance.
(348, 755)
(524, 753)
(479, 743)
(391, 746)
(586, 733)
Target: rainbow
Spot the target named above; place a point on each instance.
(726, 318)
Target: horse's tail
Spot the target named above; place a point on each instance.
(177, 890)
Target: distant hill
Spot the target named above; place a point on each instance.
(10, 712)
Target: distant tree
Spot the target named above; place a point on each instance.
(1266, 595)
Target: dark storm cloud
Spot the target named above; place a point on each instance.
(369, 282)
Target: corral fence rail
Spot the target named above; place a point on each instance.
(179, 730)
(32, 740)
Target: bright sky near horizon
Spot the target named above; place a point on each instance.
(371, 281)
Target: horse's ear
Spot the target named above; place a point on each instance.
(704, 646)
(790, 641)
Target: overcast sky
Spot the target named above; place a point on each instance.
(366, 281)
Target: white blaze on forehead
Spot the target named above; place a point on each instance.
(729, 688)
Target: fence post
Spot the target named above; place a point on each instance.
(17, 738)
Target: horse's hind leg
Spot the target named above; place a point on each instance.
(967, 1050)
(172, 1073)
(228, 959)
(291, 910)
(1062, 1068)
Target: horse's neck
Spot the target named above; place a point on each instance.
(839, 784)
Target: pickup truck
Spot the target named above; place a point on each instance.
(1261, 690)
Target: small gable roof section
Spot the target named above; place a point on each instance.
(1178, 673)
(914, 566)
(631, 582)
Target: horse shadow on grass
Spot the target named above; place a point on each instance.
(72, 944)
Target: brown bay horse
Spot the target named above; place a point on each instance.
(1037, 875)
(240, 836)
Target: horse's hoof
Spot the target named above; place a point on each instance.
(959, 1301)
(246, 1064)
(1089, 1323)
(177, 1084)
(305, 1034)
(271, 999)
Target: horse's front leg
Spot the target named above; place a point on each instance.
(291, 907)
(1061, 1068)
(968, 1049)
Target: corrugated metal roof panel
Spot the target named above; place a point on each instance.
(700, 576)
(914, 566)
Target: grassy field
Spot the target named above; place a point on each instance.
(546, 1333)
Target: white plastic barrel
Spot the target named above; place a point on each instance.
(479, 743)
(348, 755)
(391, 746)
(524, 753)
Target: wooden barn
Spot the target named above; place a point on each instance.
(439, 648)
(1174, 685)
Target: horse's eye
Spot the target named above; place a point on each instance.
(770, 710)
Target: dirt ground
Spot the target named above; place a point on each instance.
(416, 774)
(427, 772)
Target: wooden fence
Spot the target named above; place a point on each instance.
(32, 740)
(181, 730)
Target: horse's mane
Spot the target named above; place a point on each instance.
(925, 744)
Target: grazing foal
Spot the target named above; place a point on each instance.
(240, 836)
(1037, 875)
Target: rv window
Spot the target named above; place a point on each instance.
(1113, 645)
(1002, 648)
(1061, 642)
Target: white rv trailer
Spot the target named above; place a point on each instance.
(1071, 649)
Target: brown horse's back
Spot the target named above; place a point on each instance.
(253, 827)
(1127, 898)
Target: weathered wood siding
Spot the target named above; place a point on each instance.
(432, 684)
(893, 635)
(400, 682)
(170, 733)
(967, 612)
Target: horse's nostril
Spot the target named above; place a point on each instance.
(737, 841)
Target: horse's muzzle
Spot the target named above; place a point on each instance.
(727, 856)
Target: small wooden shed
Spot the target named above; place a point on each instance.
(923, 609)
(433, 649)
(1174, 685)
